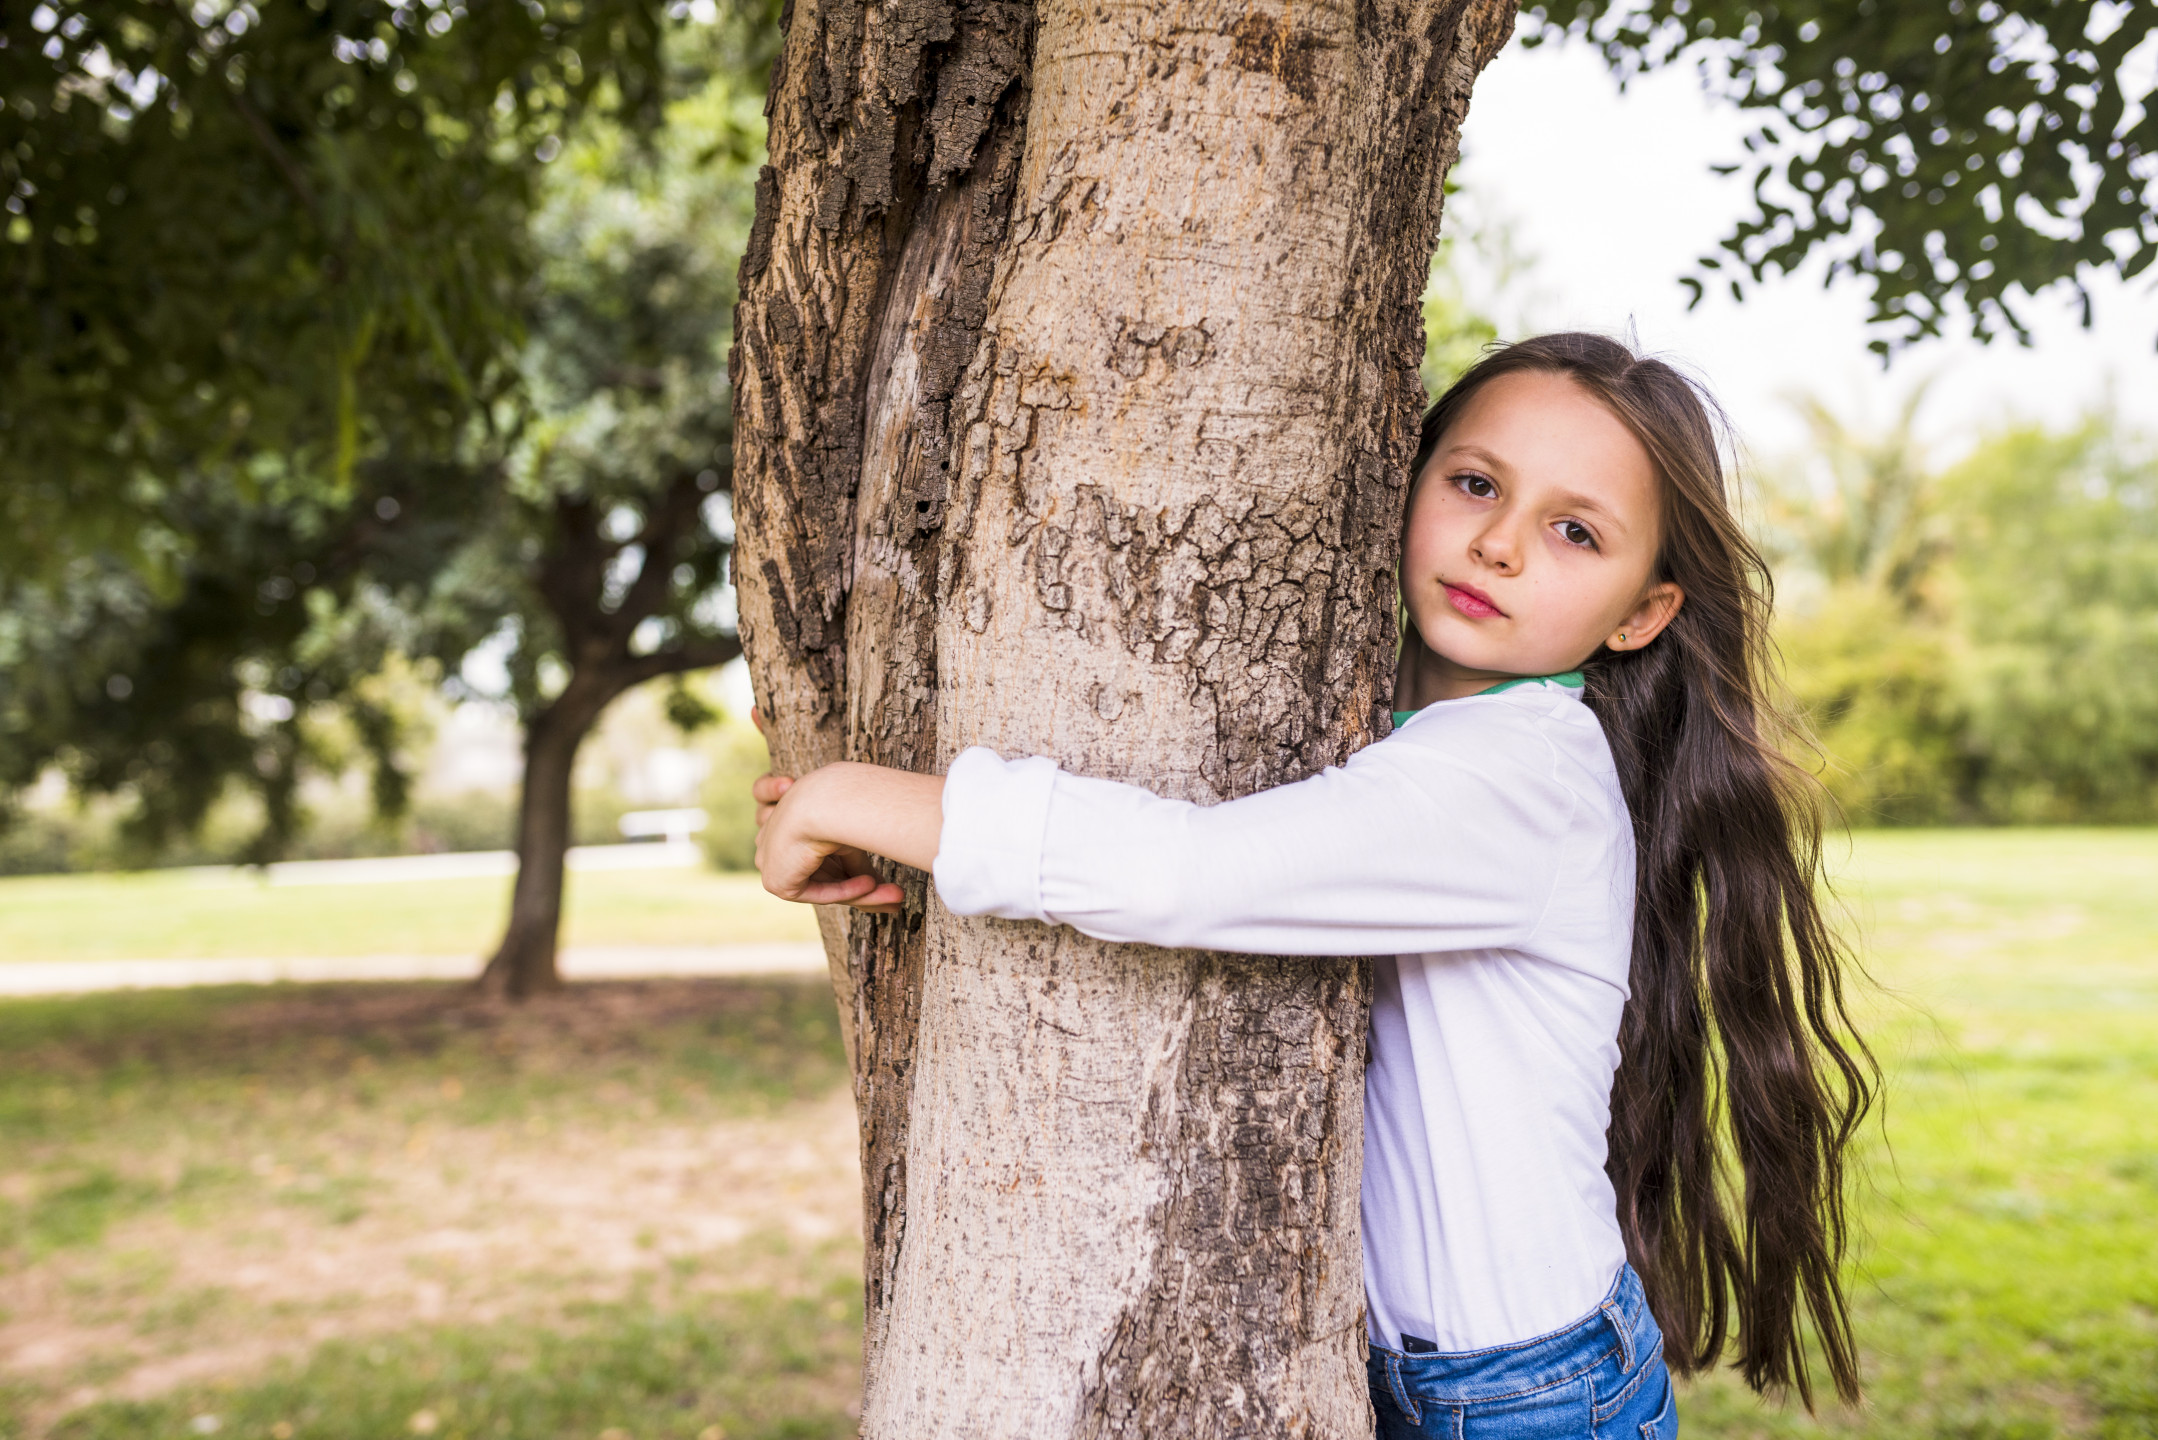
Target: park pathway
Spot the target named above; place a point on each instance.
(585, 962)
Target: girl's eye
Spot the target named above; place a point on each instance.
(1576, 533)
(1479, 486)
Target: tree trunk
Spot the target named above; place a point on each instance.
(1075, 395)
(523, 965)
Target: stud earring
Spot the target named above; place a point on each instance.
(1622, 637)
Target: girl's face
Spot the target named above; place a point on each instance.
(1532, 540)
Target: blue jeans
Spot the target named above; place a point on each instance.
(1600, 1378)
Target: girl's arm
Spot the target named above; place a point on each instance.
(1406, 848)
(1449, 844)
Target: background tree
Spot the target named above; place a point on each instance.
(616, 488)
(1954, 155)
(2056, 562)
(247, 246)
(569, 515)
(1455, 332)
(243, 236)
(1865, 512)
(1974, 644)
(241, 248)
(1857, 536)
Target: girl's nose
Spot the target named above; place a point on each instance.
(1496, 548)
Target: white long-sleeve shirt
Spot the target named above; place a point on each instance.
(1483, 854)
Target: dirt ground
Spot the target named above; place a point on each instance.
(261, 1176)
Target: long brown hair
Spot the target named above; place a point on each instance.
(1741, 1079)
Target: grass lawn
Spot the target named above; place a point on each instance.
(2007, 1274)
(176, 915)
(366, 1212)
(338, 1213)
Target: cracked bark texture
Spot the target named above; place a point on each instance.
(1075, 397)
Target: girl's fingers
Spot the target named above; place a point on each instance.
(767, 788)
(794, 871)
(756, 718)
(886, 899)
(840, 892)
(842, 879)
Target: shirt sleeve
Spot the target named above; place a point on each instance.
(1430, 840)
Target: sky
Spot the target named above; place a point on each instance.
(1611, 197)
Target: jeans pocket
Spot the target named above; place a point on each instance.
(1625, 1400)
(1665, 1425)
(1642, 1408)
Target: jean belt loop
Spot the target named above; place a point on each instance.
(1401, 1391)
(1624, 1331)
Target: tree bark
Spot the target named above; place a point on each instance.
(1075, 395)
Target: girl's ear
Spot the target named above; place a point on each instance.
(1659, 605)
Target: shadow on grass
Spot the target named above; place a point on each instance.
(752, 1366)
(747, 1044)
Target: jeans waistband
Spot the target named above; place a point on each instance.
(1621, 1322)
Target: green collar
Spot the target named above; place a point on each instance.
(1572, 680)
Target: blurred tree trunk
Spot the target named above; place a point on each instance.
(1076, 385)
(523, 965)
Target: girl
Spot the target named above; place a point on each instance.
(1588, 881)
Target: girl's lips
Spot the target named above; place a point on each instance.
(1472, 602)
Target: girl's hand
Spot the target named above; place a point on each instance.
(814, 870)
(797, 856)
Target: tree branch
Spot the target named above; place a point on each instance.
(677, 504)
(257, 126)
(695, 655)
(286, 165)
(572, 578)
